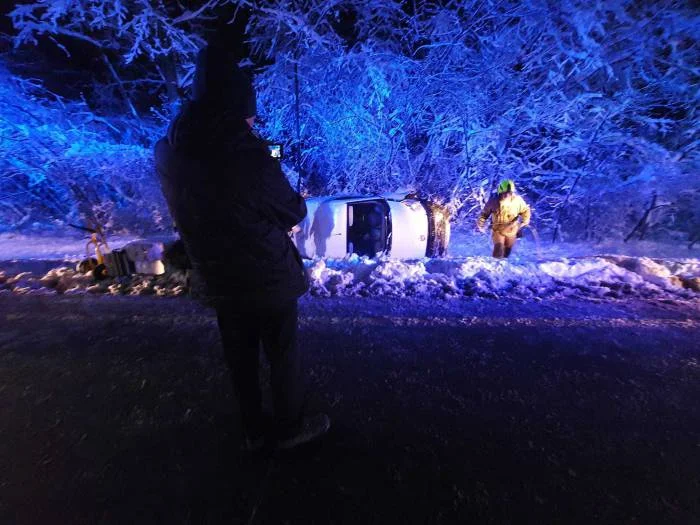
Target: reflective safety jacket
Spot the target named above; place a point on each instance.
(505, 212)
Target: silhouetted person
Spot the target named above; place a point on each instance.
(505, 208)
(234, 207)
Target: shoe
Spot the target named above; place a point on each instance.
(311, 428)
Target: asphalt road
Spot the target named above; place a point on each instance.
(119, 410)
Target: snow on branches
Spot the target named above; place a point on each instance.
(131, 27)
(574, 101)
(590, 106)
(144, 45)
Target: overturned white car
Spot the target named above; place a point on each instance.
(398, 225)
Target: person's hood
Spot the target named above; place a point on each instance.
(220, 83)
(222, 98)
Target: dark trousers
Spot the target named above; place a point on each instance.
(243, 333)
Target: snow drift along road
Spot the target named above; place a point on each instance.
(609, 276)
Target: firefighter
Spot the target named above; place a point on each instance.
(505, 208)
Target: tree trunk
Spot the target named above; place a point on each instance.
(121, 87)
(297, 123)
(587, 234)
(167, 69)
(643, 223)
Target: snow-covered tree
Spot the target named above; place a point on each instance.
(590, 106)
(145, 46)
(60, 163)
(586, 105)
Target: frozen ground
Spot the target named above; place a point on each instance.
(32, 265)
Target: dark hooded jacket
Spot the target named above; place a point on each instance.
(232, 205)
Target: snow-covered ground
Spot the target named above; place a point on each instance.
(33, 265)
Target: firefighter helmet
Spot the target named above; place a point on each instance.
(505, 186)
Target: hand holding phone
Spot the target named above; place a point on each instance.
(275, 151)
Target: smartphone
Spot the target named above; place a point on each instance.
(275, 151)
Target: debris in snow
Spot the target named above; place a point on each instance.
(65, 280)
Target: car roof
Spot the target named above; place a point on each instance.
(355, 198)
(347, 198)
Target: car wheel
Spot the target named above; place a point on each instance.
(100, 272)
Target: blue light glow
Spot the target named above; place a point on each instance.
(591, 109)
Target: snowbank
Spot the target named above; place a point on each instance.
(608, 277)
(613, 271)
